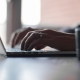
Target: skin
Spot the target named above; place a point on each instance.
(18, 35)
(30, 38)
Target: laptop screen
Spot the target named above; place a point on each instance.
(2, 48)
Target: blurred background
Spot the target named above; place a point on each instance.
(53, 14)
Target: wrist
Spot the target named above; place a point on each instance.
(64, 43)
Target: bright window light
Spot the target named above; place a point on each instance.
(3, 11)
(31, 12)
(3, 18)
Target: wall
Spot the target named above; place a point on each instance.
(62, 12)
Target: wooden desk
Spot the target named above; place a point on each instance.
(38, 68)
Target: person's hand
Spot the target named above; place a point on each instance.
(38, 47)
(19, 35)
(47, 32)
(34, 39)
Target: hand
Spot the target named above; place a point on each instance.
(35, 40)
(19, 35)
(38, 47)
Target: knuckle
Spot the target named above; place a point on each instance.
(35, 35)
(32, 34)
(29, 32)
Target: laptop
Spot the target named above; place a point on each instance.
(16, 52)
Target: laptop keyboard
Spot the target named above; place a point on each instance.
(43, 52)
(14, 50)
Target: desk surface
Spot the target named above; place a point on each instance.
(38, 68)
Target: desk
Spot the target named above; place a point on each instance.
(38, 68)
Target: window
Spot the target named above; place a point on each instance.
(3, 12)
(61, 12)
(31, 12)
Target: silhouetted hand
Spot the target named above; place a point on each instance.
(18, 35)
(45, 32)
(34, 39)
(38, 39)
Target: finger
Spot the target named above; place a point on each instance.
(24, 39)
(41, 46)
(31, 38)
(21, 35)
(12, 40)
(17, 39)
(36, 43)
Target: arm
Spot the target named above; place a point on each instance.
(60, 41)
